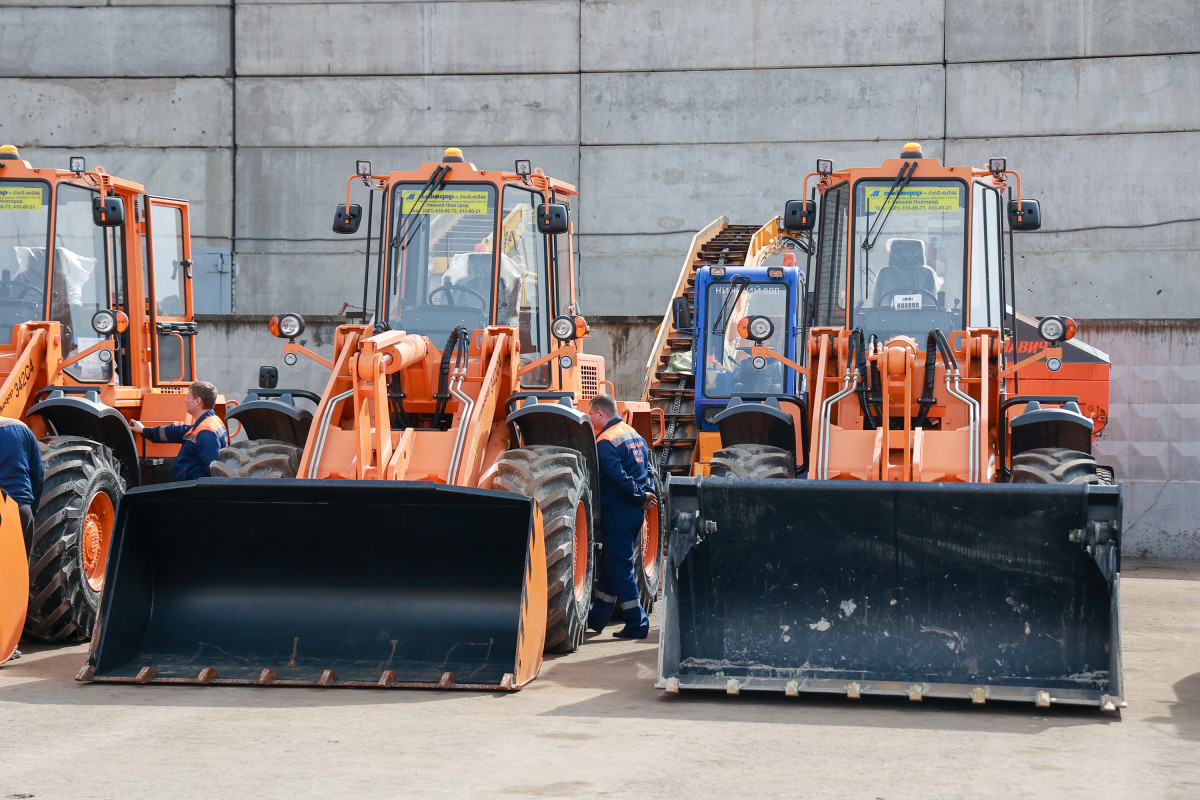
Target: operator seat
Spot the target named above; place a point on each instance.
(906, 270)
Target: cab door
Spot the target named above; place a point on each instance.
(169, 290)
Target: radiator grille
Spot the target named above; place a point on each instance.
(589, 377)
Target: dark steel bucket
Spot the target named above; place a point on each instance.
(985, 591)
(329, 583)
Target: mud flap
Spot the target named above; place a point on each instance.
(983, 591)
(328, 583)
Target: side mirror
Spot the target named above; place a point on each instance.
(108, 212)
(681, 314)
(347, 218)
(552, 218)
(268, 377)
(1027, 218)
(799, 215)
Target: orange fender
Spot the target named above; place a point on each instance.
(14, 577)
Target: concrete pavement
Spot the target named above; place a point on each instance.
(593, 726)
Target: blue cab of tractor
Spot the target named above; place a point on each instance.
(736, 309)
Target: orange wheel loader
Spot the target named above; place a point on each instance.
(96, 330)
(884, 512)
(432, 522)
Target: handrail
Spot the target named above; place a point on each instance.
(703, 236)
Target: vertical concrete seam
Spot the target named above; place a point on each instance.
(945, 79)
(579, 110)
(578, 256)
(233, 133)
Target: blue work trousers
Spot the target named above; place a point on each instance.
(617, 583)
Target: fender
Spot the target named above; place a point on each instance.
(1051, 427)
(755, 422)
(273, 414)
(556, 423)
(84, 414)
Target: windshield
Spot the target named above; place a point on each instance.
(728, 368)
(24, 231)
(441, 259)
(909, 253)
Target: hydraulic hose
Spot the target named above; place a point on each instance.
(850, 380)
(926, 400)
(443, 395)
(974, 472)
(864, 388)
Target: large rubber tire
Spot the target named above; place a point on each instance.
(71, 536)
(650, 556)
(257, 458)
(557, 479)
(759, 461)
(1054, 465)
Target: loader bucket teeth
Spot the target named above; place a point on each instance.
(996, 591)
(323, 583)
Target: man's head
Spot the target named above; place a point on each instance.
(603, 408)
(202, 396)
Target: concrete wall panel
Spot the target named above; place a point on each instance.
(633, 35)
(486, 38)
(765, 105)
(110, 3)
(203, 177)
(1153, 434)
(1040, 98)
(1027, 29)
(1118, 238)
(385, 112)
(132, 42)
(151, 112)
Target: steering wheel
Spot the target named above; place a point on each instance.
(451, 287)
(887, 298)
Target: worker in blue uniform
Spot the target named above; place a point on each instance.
(626, 490)
(201, 440)
(21, 472)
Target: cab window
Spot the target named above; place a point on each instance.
(523, 299)
(79, 285)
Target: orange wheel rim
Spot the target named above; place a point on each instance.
(97, 533)
(650, 542)
(581, 550)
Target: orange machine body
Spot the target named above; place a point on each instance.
(454, 421)
(96, 330)
(922, 516)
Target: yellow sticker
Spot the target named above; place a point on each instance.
(20, 198)
(915, 198)
(448, 201)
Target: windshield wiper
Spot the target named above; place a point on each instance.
(740, 282)
(406, 227)
(889, 203)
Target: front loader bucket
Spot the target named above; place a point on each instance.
(328, 583)
(983, 591)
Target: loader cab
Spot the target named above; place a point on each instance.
(906, 257)
(724, 365)
(57, 265)
(470, 253)
(99, 266)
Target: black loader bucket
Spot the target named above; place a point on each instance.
(326, 583)
(982, 591)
